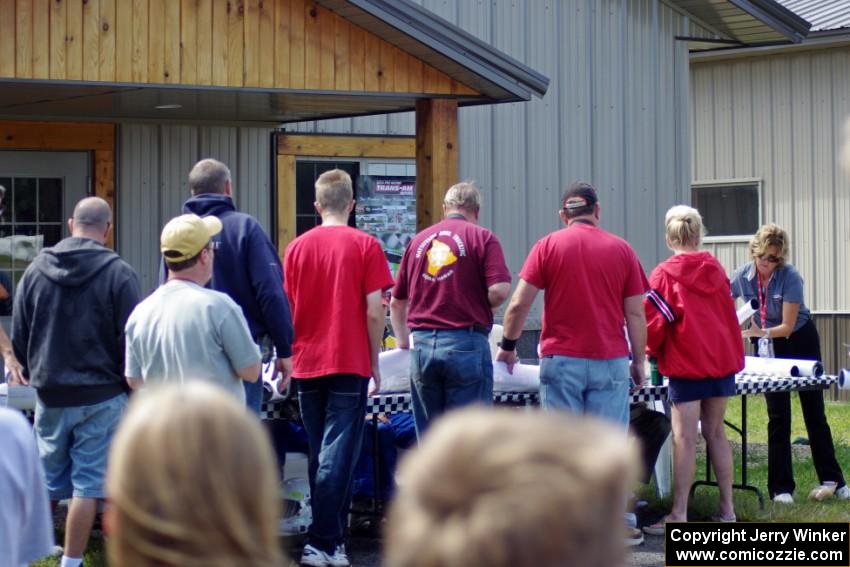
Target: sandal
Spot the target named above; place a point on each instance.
(658, 527)
(722, 520)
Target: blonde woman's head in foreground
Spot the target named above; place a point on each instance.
(684, 228)
(504, 488)
(191, 482)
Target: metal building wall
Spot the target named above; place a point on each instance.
(615, 114)
(779, 118)
(153, 164)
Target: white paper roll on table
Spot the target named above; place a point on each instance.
(525, 378)
(17, 397)
(747, 310)
(782, 366)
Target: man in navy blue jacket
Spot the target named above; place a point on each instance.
(247, 267)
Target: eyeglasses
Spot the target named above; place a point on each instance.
(213, 245)
(770, 258)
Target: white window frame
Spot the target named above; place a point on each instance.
(736, 182)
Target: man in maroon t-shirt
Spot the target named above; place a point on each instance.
(452, 277)
(593, 284)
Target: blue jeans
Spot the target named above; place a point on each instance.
(333, 409)
(449, 368)
(73, 443)
(592, 386)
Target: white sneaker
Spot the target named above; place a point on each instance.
(783, 498)
(843, 493)
(339, 558)
(315, 557)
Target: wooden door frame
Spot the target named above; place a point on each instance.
(290, 147)
(95, 137)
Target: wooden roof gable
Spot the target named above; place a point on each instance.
(284, 44)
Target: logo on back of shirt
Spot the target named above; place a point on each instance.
(440, 255)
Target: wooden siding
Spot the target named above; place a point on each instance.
(238, 43)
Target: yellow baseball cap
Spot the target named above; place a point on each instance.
(185, 236)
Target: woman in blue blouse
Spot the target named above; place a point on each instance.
(784, 318)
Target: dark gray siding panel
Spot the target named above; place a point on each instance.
(153, 164)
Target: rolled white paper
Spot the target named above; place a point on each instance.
(747, 310)
(395, 370)
(782, 367)
(494, 338)
(17, 397)
(844, 379)
(526, 378)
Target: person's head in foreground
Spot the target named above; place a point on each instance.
(503, 488)
(191, 482)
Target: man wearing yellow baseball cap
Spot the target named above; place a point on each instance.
(184, 331)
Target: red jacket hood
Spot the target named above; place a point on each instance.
(699, 272)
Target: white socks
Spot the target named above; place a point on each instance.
(71, 561)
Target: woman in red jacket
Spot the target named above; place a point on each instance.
(693, 332)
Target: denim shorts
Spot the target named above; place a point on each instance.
(73, 443)
(682, 390)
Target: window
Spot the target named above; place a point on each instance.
(306, 174)
(729, 209)
(30, 219)
(385, 194)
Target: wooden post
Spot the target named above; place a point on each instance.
(436, 157)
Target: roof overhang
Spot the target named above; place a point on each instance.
(492, 76)
(459, 54)
(744, 22)
(816, 41)
(76, 100)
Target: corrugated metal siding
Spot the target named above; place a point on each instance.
(779, 119)
(615, 114)
(153, 164)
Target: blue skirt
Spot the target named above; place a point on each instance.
(680, 390)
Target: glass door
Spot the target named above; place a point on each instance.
(38, 191)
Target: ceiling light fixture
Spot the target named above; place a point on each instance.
(168, 106)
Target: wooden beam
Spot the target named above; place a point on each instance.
(104, 182)
(436, 157)
(345, 146)
(56, 136)
(285, 202)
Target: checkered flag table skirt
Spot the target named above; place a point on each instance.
(746, 384)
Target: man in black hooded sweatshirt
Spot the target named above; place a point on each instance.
(247, 267)
(68, 332)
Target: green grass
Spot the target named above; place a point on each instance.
(704, 503)
(95, 555)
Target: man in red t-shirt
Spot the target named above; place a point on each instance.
(452, 277)
(593, 283)
(334, 278)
